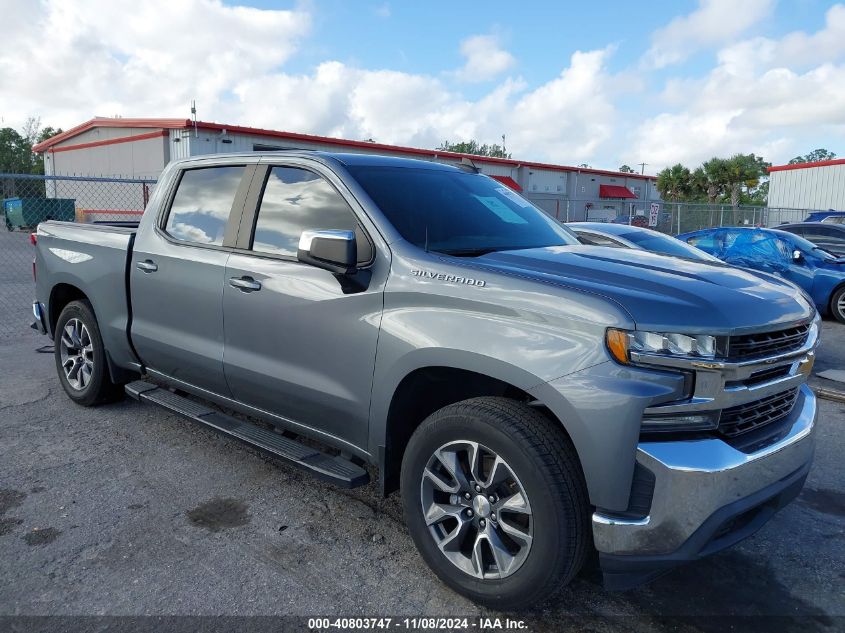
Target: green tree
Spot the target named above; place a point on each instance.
(716, 173)
(625, 169)
(473, 147)
(743, 172)
(16, 155)
(699, 184)
(15, 152)
(674, 183)
(813, 157)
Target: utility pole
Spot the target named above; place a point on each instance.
(194, 117)
(642, 167)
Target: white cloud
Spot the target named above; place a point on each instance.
(565, 119)
(714, 22)
(485, 58)
(68, 60)
(99, 63)
(383, 10)
(775, 97)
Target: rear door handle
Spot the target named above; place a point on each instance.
(148, 266)
(245, 284)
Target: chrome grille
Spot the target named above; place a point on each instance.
(752, 415)
(763, 344)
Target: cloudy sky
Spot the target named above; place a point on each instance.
(604, 83)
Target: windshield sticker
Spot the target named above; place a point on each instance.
(513, 197)
(501, 209)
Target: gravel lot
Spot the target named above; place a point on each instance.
(129, 510)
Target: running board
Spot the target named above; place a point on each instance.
(334, 469)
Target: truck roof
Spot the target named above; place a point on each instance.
(345, 158)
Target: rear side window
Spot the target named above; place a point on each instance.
(819, 234)
(297, 200)
(202, 204)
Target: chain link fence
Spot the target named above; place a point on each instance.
(28, 200)
(674, 217)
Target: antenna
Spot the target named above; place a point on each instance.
(194, 117)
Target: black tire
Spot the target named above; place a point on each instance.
(837, 305)
(544, 461)
(98, 387)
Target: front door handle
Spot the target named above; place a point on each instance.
(245, 284)
(148, 266)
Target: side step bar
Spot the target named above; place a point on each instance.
(334, 469)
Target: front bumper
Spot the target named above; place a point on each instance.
(708, 495)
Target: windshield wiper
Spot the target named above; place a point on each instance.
(470, 252)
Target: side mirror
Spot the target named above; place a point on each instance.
(797, 256)
(335, 251)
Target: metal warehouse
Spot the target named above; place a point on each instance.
(140, 148)
(818, 185)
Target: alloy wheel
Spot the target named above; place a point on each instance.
(77, 354)
(476, 510)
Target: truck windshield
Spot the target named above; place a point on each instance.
(458, 213)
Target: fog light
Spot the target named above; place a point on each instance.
(681, 422)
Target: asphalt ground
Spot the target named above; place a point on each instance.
(127, 510)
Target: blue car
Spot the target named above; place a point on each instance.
(817, 272)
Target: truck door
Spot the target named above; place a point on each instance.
(178, 267)
(300, 342)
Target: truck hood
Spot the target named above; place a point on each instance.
(662, 293)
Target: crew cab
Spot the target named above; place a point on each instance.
(534, 399)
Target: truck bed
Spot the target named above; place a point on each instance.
(91, 259)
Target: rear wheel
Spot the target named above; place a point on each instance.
(81, 358)
(495, 501)
(837, 305)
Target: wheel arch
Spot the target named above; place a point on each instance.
(832, 296)
(61, 294)
(423, 389)
(66, 292)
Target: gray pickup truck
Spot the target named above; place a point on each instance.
(535, 400)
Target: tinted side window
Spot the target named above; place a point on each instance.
(296, 200)
(818, 234)
(202, 204)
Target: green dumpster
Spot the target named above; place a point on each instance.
(21, 213)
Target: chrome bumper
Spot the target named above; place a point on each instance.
(694, 479)
(40, 323)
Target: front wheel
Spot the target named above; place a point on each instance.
(81, 358)
(837, 305)
(495, 501)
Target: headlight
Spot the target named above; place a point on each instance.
(621, 342)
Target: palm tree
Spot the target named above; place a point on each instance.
(674, 183)
(716, 170)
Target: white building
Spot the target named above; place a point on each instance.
(140, 148)
(818, 185)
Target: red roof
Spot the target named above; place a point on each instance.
(507, 180)
(238, 129)
(615, 191)
(821, 163)
(171, 124)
